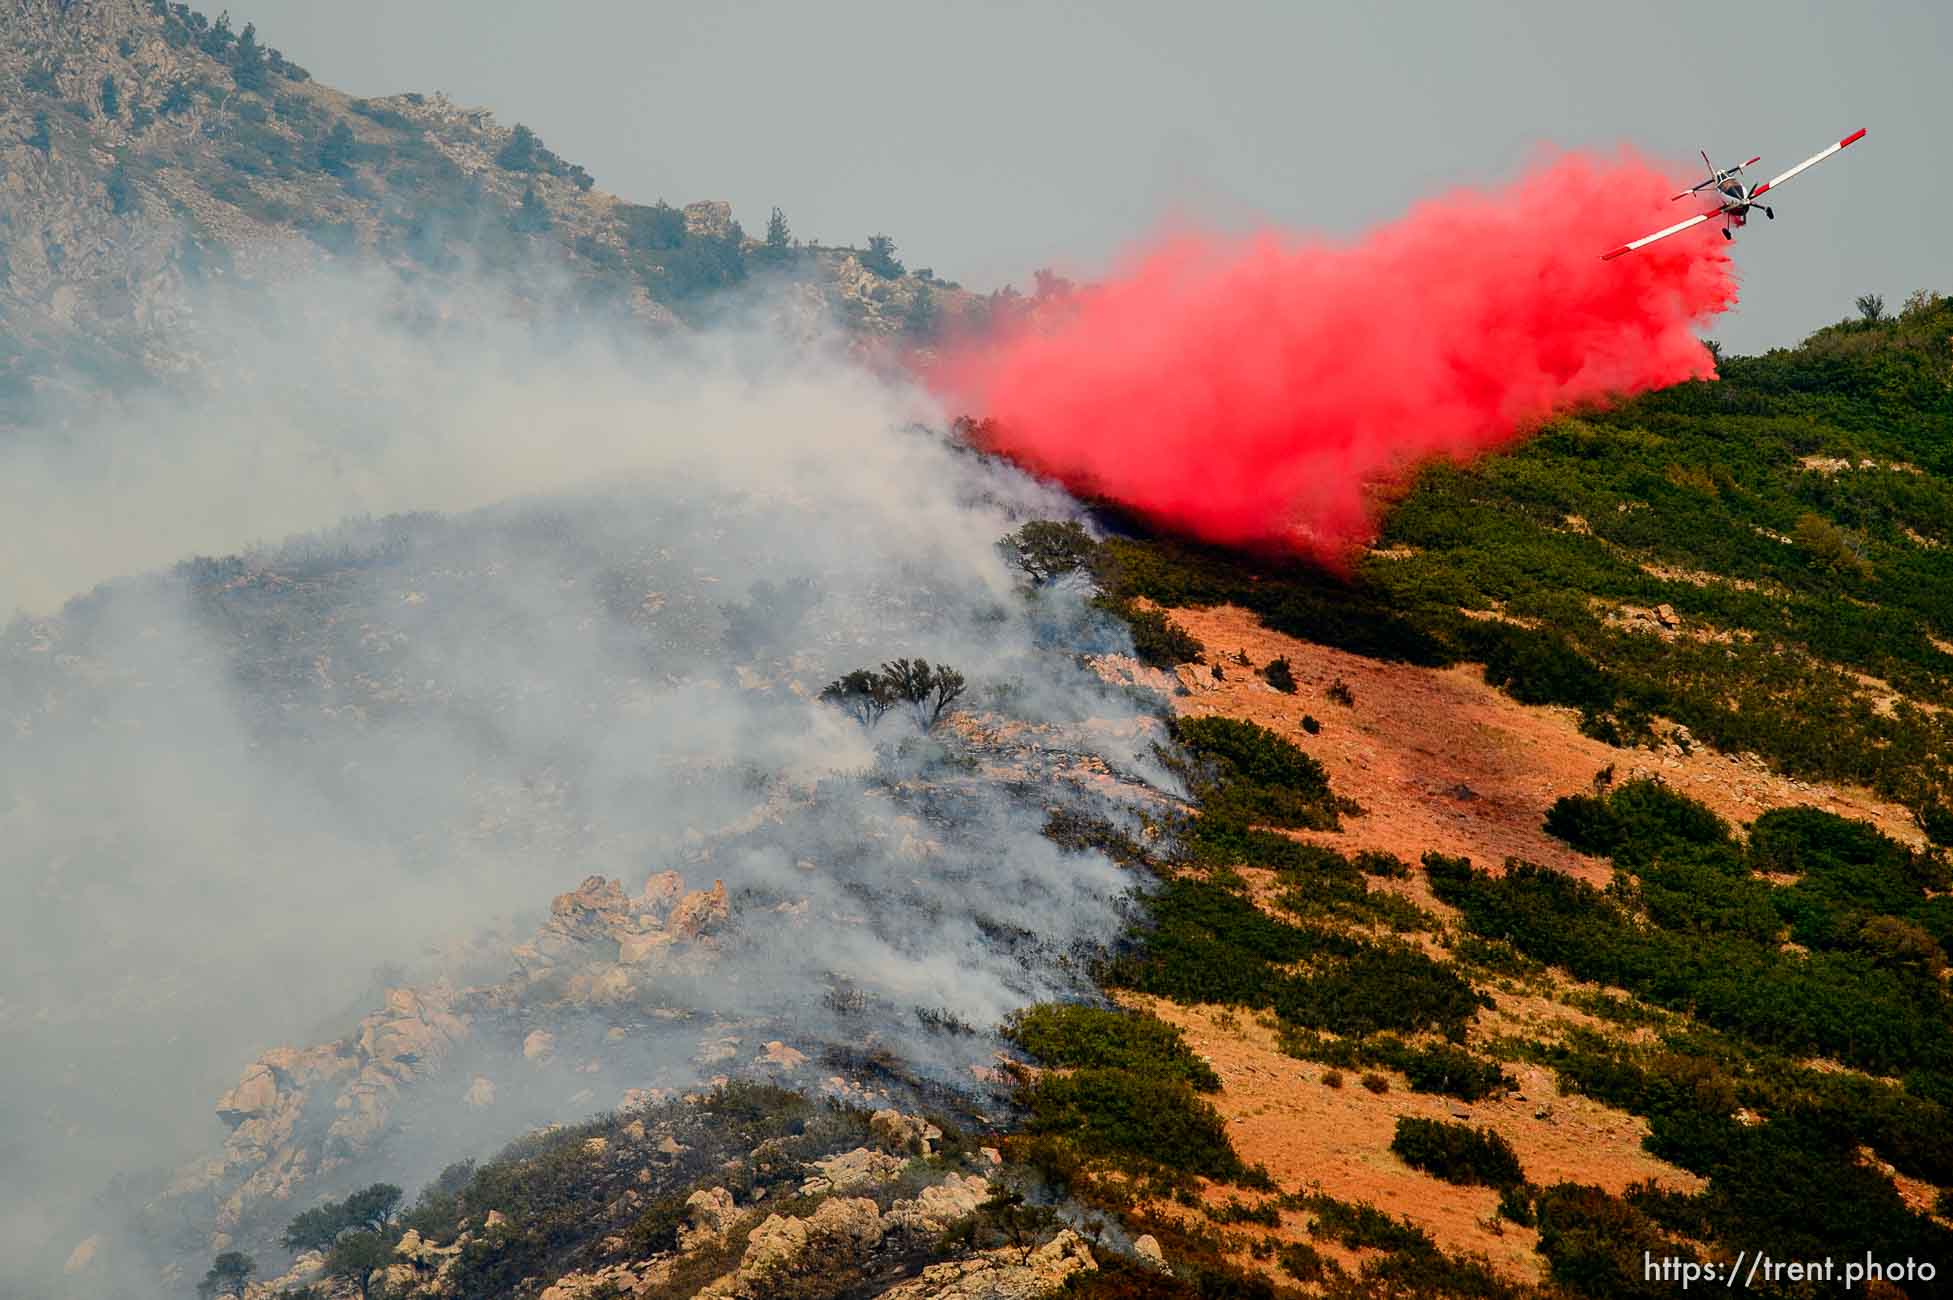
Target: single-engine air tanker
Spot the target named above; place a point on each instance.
(1733, 201)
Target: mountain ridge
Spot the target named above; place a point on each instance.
(146, 150)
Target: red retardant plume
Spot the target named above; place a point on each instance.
(1260, 391)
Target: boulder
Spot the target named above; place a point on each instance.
(709, 219)
(1004, 1274)
(935, 1208)
(709, 1216)
(840, 1228)
(700, 912)
(82, 1257)
(642, 946)
(787, 1058)
(1195, 678)
(254, 1094)
(904, 1134)
(860, 1167)
(663, 889)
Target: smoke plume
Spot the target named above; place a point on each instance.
(1257, 391)
(242, 796)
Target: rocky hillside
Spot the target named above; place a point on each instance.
(147, 152)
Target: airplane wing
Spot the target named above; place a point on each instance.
(1645, 240)
(1811, 161)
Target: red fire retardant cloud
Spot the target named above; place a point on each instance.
(1259, 391)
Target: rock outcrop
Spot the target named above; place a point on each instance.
(276, 1141)
(1002, 1274)
(145, 162)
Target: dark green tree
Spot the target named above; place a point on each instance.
(248, 67)
(862, 695)
(532, 218)
(40, 139)
(217, 41)
(657, 227)
(336, 150)
(356, 1256)
(1048, 549)
(880, 257)
(924, 316)
(866, 695)
(316, 1228)
(1871, 307)
(1049, 286)
(779, 239)
(228, 1274)
(121, 194)
(927, 690)
(373, 1207)
(520, 153)
(111, 98)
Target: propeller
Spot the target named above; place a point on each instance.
(1716, 176)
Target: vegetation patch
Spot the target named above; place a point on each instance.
(1070, 1036)
(1246, 773)
(1434, 1067)
(1457, 1153)
(1130, 1116)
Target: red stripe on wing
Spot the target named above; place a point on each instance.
(1859, 134)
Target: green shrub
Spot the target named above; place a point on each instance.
(1360, 1225)
(1127, 1116)
(1279, 675)
(1252, 774)
(1444, 1069)
(1157, 641)
(1304, 1262)
(1457, 1153)
(1238, 1211)
(1374, 862)
(1586, 823)
(1380, 987)
(1208, 943)
(1069, 1036)
(228, 1274)
(1595, 1244)
(655, 1231)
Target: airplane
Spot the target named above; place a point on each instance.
(1733, 202)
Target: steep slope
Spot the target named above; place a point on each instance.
(147, 152)
(1634, 930)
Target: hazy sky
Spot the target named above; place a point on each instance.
(993, 138)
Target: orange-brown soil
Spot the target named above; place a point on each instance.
(1280, 1114)
(1440, 760)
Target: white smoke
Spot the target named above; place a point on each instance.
(231, 794)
